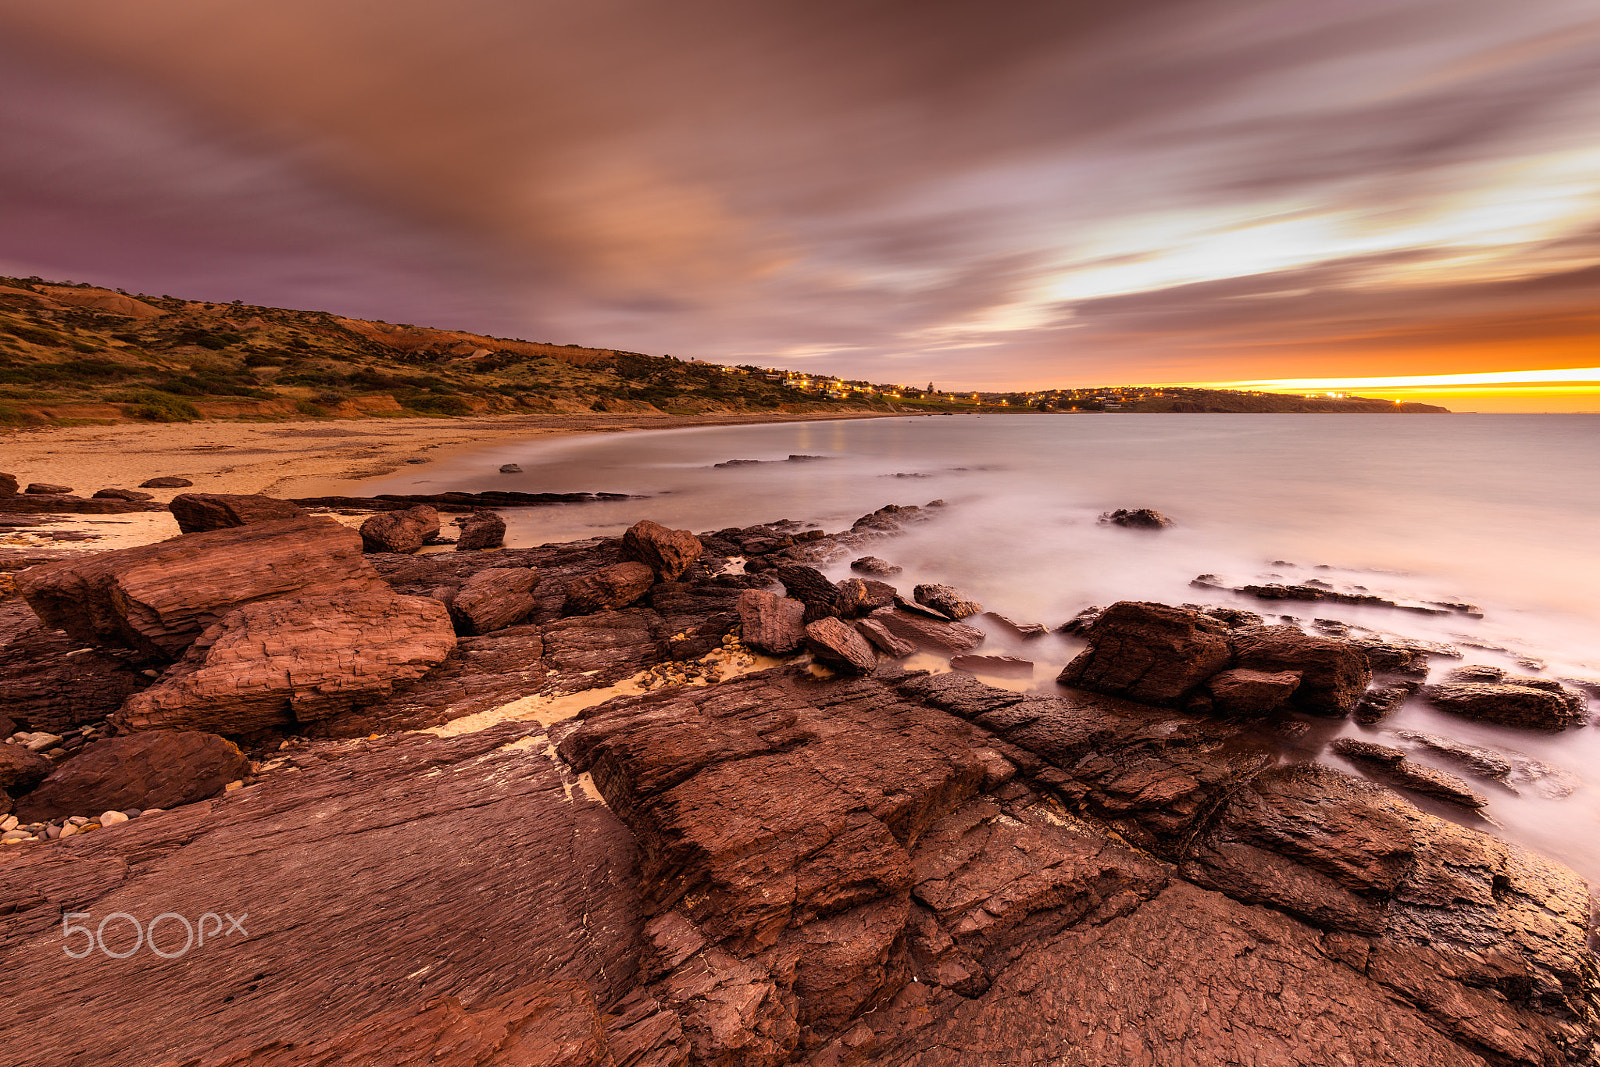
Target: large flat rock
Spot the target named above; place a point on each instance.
(375, 878)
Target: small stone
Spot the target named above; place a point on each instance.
(69, 830)
(1136, 519)
(78, 820)
(40, 741)
(231, 786)
(132, 813)
(510, 468)
(112, 818)
(47, 489)
(8, 823)
(166, 483)
(13, 837)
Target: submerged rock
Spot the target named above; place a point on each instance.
(166, 483)
(1390, 765)
(874, 566)
(1137, 519)
(1534, 708)
(946, 601)
(1333, 673)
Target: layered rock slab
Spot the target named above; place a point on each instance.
(154, 769)
(376, 878)
(156, 599)
(283, 663)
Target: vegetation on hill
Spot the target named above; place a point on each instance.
(72, 352)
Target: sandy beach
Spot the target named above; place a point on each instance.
(308, 457)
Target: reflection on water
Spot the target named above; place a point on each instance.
(1499, 510)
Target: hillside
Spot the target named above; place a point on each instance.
(74, 353)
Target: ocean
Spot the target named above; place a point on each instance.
(1501, 512)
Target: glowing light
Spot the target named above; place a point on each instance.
(1569, 376)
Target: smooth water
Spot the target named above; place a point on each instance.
(1502, 511)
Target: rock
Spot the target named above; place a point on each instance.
(1006, 665)
(807, 585)
(613, 587)
(493, 599)
(157, 768)
(1079, 624)
(1379, 702)
(52, 682)
(112, 818)
(479, 530)
(874, 566)
(295, 661)
(121, 494)
(1514, 770)
(1137, 519)
(1333, 673)
(157, 598)
(166, 483)
(858, 597)
(8, 484)
(1241, 691)
(935, 634)
(7, 727)
(362, 950)
(400, 531)
(668, 552)
(198, 512)
(1474, 672)
(510, 468)
(1390, 766)
(1148, 652)
(46, 489)
(1509, 705)
(1028, 631)
(879, 636)
(21, 769)
(946, 601)
(771, 623)
(838, 645)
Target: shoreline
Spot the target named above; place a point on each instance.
(305, 457)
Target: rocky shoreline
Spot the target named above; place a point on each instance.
(677, 798)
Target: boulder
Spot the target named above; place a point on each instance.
(883, 639)
(121, 494)
(1001, 665)
(21, 769)
(874, 566)
(1509, 705)
(294, 661)
(150, 769)
(494, 599)
(1028, 631)
(510, 468)
(668, 552)
(835, 643)
(8, 484)
(1333, 673)
(771, 623)
(1136, 519)
(1241, 691)
(400, 531)
(479, 530)
(198, 512)
(807, 585)
(946, 601)
(157, 598)
(610, 588)
(858, 597)
(166, 483)
(1391, 767)
(1381, 701)
(46, 489)
(49, 681)
(1150, 653)
(935, 634)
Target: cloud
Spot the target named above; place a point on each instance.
(887, 185)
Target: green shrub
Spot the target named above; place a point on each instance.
(306, 407)
(437, 404)
(157, 407)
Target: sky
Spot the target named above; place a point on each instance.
(1009, 196)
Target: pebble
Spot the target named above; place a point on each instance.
(41, 741)
(112, 818)
(11, 837)
(8, 823)
(69, 829)
(78, 820)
